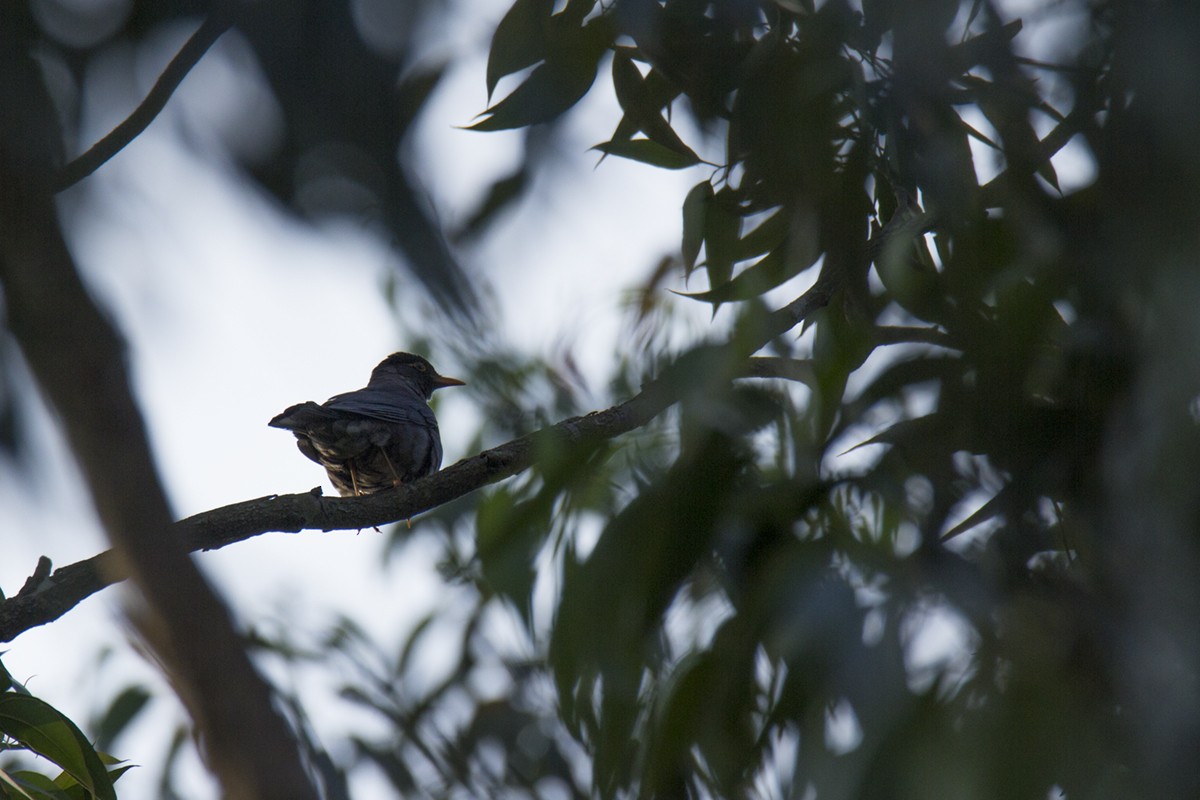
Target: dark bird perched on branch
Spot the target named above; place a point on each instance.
(377, 437)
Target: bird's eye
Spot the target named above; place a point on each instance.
(419, 366)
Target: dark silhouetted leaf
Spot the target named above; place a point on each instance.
(695, 213)
(649, 152)
(519, 41)
(566, 72)
(722, 229)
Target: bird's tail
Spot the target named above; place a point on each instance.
(300, 416)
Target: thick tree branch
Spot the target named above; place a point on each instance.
(156, 100)
(211, 530)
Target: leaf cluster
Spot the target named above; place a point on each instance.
(30, 725)
(948, 446)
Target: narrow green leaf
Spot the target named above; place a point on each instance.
(28, 785)
(41, 728)
(695, 210)
(782, 264)
(627, 83)
(722, 229)
(992, 508)
(1048, 173)
(903, 431)
(751, 282)
(500, 195)
(569, 61)
(648, 152)
(976, 134)
(768, 235)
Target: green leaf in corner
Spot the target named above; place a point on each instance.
(649, 152)
(39, 727)
(27, 785)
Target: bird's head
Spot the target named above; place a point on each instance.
(413, 370)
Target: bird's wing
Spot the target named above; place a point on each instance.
(385, 406)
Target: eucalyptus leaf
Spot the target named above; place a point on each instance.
(38, 726)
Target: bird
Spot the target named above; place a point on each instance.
(377, 437)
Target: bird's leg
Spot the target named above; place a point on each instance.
(396, 480)
(353, 478)
(396, 475)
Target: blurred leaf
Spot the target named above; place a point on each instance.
(639, 562)
(414, 92)
(508, 536)
(31, 785)
(904, 432)
(391, 762)
(778, 266)
(501, 194)
(121, 711)
(765, 237)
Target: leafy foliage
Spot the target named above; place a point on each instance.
(974, 345)
(32, 725)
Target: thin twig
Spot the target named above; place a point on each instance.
(133, 125)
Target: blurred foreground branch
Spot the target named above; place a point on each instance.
(78, 360)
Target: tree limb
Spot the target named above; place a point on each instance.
(156, 100)
(212, 530)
